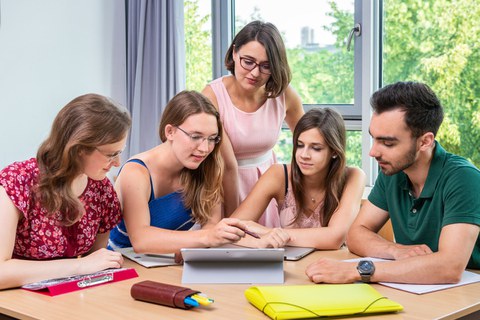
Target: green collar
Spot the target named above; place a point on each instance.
(434, 173)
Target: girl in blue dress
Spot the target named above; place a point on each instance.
(171, 194)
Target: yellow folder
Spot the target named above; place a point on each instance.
(320, 300)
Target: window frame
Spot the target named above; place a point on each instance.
(367, 71)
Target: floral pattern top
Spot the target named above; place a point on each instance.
(40, 236)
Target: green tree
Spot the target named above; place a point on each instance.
(326, 76)
(198, 47)
(433, 41)
(437, 42)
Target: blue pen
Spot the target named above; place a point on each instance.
(191, 302)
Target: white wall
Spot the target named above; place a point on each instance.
(50, 52)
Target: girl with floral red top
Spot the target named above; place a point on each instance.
(61, 204)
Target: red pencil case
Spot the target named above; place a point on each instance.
(162, 293)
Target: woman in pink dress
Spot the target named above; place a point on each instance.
(253, 103)
(60, 204)
(318, 195)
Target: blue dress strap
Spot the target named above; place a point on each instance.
(140, 162)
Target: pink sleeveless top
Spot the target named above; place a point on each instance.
(253, 135)
(288, 211)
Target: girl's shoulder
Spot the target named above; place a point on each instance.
(142, 163)
(22, 173)
(19, 180)
(354, 172)
(278, 169)
(278, 177)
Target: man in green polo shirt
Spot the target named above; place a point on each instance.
(431, 196)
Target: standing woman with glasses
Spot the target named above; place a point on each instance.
(253, 103)
(167, 190)
(60, 204)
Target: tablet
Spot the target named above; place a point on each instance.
(232, 254)
(232, 265)
(291, 253)
(297, 253)
(148, 260)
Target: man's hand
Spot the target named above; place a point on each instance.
(406, 251)
(332, 271)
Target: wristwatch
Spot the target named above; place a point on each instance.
(366, 268)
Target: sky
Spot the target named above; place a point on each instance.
(290, 17)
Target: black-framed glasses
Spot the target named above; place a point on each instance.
(198, 139)
(112, 156)
(250, 64)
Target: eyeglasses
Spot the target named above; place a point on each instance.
(250, 64)
(198, 139)
(111, 157)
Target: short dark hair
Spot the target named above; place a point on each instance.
(423, 111)
(268, 35)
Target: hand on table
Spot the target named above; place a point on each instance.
(332, 271)
(100, 260)
(274, 238)
(406, 251)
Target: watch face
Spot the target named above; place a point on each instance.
(365, 266)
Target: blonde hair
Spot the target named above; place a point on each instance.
(84, 123)
(202, 187)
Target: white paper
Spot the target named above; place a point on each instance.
(467, 277)
(148, 260)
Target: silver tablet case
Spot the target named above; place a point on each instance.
(297, 253)
(291, 253)
(232, 265)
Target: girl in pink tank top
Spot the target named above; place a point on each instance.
(318, 196)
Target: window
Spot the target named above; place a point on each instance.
(322, 67)
(198, 43)
(434, 41)
(314, 34)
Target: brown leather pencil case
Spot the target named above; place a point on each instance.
(161, 293)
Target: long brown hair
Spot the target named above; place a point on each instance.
(331, 126)
(202, 187)
(268, 35)
(84, 123)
